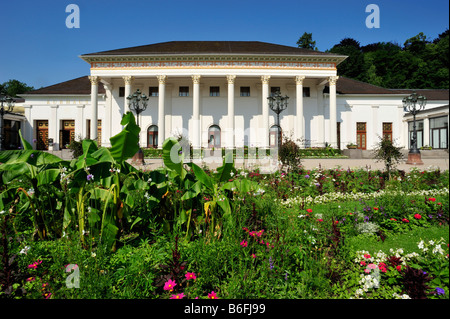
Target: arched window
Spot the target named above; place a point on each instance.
(214, 136)
(152, 136)
(274, 133)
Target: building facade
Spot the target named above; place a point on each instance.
(215, 94)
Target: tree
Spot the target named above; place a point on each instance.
(387, 152)
(354, 66)
(306, 42)
(14, 87)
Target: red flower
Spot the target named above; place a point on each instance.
(309, 210)
(405, 220)
(417, 216)
(375, 208)
(399, 268)
(367, 256)
(393, 219)
(432, 199)
(363, 263)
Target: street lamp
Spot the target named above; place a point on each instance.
(9, 104)
(278, 104)
(413, 104)
(138, 102)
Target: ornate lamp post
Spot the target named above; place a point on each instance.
(278, 104)
(413, 104)
(138, 102)
(9, 104)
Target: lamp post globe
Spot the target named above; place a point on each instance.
(138, 102)
(278, 104)
(413, 104)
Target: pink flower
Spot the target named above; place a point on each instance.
(212, 295)
(362, 263)
(320, 220)
(372, 266)
(367, 271)
(170, 285)
(35, 264)
(367, 256)
(190, 275)
(178, 296)
(253, 256)
(244, 243)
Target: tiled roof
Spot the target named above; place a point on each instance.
(212, 47)
(349, 86)
(81, 85)
(430, 94)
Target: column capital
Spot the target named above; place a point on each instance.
(196, 79)
(333, 79)
(231, 78)
(128, 79)
(161, 79)
(265, 79)
(299, 79)
(94, 79)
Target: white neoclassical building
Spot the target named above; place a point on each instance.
(215, 93)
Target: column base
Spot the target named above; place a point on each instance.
(414, 159)
(138, 158)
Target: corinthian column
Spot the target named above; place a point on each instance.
(196, 112)
(128, 81)
(230, 80)
(299, 120)
(333, 116)
(161, 110)
(94, 106)
(264, 139)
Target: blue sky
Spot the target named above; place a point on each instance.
(38, 49)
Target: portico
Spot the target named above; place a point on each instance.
(185, 71)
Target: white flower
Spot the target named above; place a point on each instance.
(24, 250)
(93, 254)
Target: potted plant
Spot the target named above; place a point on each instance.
(351, 146)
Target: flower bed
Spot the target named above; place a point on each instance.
(97, 228)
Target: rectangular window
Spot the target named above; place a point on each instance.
(306, 92)
(387, 131)
(439, 132)
(361, 135)
(121, 91)
(153, 91)
(245, 91)
(214, 91)
(419, 130)
(184, 91)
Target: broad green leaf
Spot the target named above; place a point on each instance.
(224, 171)
(193, 191)
(89, 147)
(26, 146)
(172, 159)
(48, 176)
(202, 176)
(125, 144)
